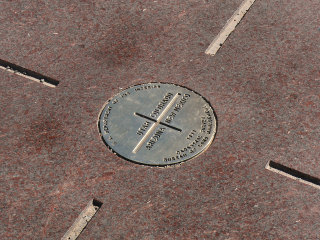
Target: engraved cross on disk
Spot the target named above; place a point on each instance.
(156, 122)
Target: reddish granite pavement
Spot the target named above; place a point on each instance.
(264, 85)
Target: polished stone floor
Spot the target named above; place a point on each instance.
(264, 84)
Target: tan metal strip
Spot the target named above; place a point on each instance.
(229, 27)
(82, 220)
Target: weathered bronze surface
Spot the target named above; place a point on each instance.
(157, 124)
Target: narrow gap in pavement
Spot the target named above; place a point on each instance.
(21, 71)
(294, 174)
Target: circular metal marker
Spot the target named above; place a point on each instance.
(157, 124)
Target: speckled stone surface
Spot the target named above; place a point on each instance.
(264, 84)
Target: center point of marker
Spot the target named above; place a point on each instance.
(154, 125)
